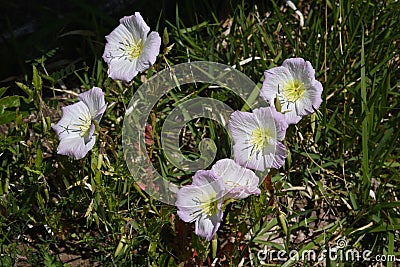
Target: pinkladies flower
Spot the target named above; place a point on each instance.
(239, 181)
(77, 125)
(130, 49)
(201, 203)
(257, 138)
(293, 84)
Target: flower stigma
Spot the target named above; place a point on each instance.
(293, 90)
(131, 48)
(260, 138)
(208, 208)
(84, 126)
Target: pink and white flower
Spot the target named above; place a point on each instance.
(76, 127)
(294, 85)
(130, 48)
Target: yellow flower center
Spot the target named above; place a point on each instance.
(260, 138)
(84, 126)
(293, 90)
(133, 49)
(208, 207)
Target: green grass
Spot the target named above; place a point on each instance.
(53, 207)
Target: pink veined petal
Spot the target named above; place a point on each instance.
(279, 156)
(136, 25)
(274, 81)
(207, 226)
(301, 70)
(188, 211)
(241, 125)
(94, 100)
(259, 160)
(291, 114)
(239, 181)
(113, 48)
(295, 65)
(261, 114)
(204, 177)
(75, 146)
(70, 119)
(312, 99)
(277, 123)
(151, 49)
(122, 69)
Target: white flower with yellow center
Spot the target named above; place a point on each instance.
(294, 86)
(77, 125)
(201, 203)
(257, 138)
(130, 49)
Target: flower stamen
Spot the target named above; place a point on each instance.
(294, 90)
(84, 126)
(261, 138)
(132, 48)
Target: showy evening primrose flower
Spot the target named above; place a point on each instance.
(77, 125)
(257, 137)
(294, 86)
(130, 49)
(239, 181)
(201, 203)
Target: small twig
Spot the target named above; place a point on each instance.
(245, 61)
(293, 6)
(62, 90)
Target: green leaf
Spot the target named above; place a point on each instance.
(6, 116)
(26, 89)
(9, 102)
(165, 36)
(39, 159)
(36, 80)
(3, 90)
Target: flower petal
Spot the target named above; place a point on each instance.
(136, 25)
(113, 48)
(203, 177)
(122, 69)
(151, 49)
(75, 146)
(276, 121)
(70, 119)
(300, 69)
(188, 209)
(207, 226)
(291, 114)
(239, 182)
(94, 100)
(274, 81)
(312, 99)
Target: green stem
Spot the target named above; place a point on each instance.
(214, 245)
